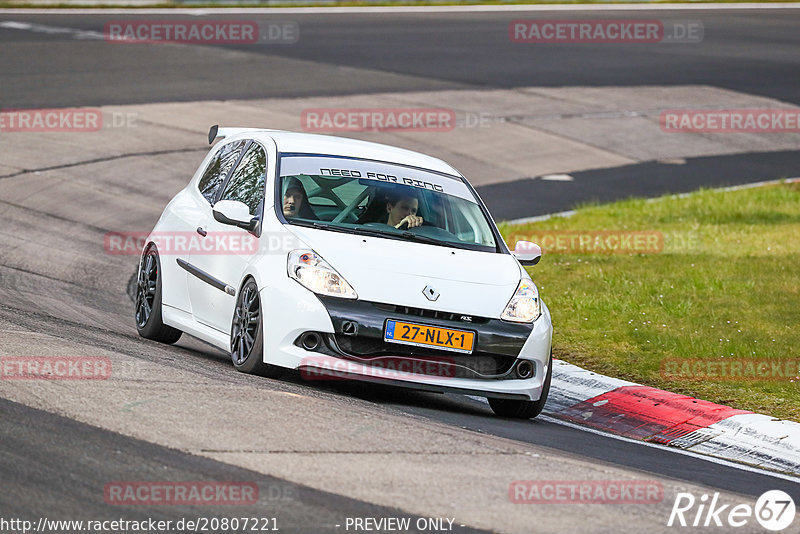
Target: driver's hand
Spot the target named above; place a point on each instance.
(411, 220)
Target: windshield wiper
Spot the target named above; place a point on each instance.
(411, 236)
(357, 231)
(332, 227)
(346, 230)
(323, 226)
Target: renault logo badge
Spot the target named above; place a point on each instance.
(430, 293)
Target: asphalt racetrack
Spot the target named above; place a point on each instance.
(321, 453)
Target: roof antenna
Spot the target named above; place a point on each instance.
(212, 133)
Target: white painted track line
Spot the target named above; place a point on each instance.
(570, 213)
(712, 459)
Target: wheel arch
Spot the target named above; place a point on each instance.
(247, 276)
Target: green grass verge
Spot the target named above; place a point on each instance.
(725, 287)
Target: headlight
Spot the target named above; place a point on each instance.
(524, 305)
(315, 274)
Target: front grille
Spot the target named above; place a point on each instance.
(431, 314)
(361, 345)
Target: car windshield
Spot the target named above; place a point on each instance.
(381, 199)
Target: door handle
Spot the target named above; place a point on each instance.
(201, 231)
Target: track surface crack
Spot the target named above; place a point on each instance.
(102, 160)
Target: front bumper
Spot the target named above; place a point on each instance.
(352, 346)
(359, 336)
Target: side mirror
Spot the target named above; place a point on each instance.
(527, 253)
(235, 213)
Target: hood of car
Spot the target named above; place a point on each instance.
(416, 274)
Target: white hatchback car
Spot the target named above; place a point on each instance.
(346, 259)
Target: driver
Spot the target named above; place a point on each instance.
(295, 200)
(402, 208)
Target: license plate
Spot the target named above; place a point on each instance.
(421, 335)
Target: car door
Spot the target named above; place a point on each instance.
(187, 212)
(226, 250)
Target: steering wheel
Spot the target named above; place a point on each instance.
(404, 226)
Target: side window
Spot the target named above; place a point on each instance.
(247, 183)
(218, 169)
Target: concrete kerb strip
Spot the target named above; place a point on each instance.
(653, 415)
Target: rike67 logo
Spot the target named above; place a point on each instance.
(774, 510)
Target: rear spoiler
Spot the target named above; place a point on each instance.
(218, 133)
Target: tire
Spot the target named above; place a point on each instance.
(247, 334)
(147, 312)
(522, 409)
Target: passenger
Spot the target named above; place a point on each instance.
(295, 200)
